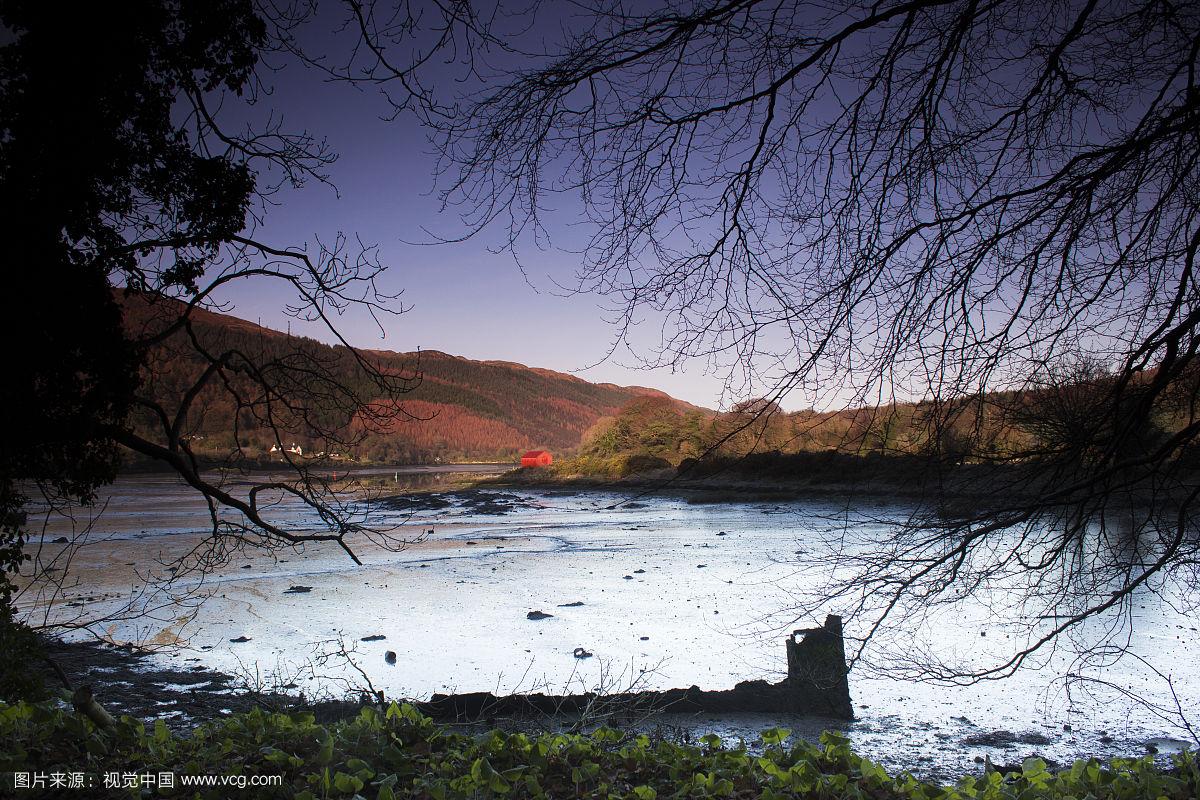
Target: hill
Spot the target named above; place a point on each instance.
(458, 409)
(1055, 431)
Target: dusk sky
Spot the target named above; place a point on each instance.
(464, 299)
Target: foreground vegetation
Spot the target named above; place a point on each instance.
(400, 753)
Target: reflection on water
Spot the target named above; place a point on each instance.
(663, 593)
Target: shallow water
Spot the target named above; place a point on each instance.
(672, 595)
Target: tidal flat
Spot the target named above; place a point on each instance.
(658, 592)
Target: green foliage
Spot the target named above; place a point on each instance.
(621, 465)
(20, 667)
(654, 427)
(400, 753)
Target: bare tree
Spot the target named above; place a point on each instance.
(138, 159)
(926, 200)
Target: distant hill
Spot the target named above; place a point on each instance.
(466, 409)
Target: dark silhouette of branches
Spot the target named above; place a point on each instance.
(285, 387)
(138, 158)
(946, 201)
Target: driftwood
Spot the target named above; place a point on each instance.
(85, 704)
(816, 684)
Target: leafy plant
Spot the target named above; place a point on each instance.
(400, 753)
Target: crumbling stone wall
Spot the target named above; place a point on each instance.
(816, 684)
(817, 677)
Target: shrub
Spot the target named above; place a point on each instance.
(22, 661)
(639, 463)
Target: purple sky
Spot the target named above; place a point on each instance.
(464, 299)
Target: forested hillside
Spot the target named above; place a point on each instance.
(456, 410)
(1061, 417)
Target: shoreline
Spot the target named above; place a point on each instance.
(126, 681)
(267, 465)
(732, 488)
(817, 475)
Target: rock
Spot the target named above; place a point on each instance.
(1017, 769)
(240, 639)
(581, 653)
(298, 590)
(375, 637)
(61, 540)
(576, 604)
(536, 615)
(390, 656)
(1004, 739)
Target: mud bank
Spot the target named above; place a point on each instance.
(125, 680)
(128, 681)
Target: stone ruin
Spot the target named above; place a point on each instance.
(816, 684)
(817, 676)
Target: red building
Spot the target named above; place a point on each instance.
(537, 458)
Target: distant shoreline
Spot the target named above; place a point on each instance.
(771, 477)
(150, 467)
(702, 491)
